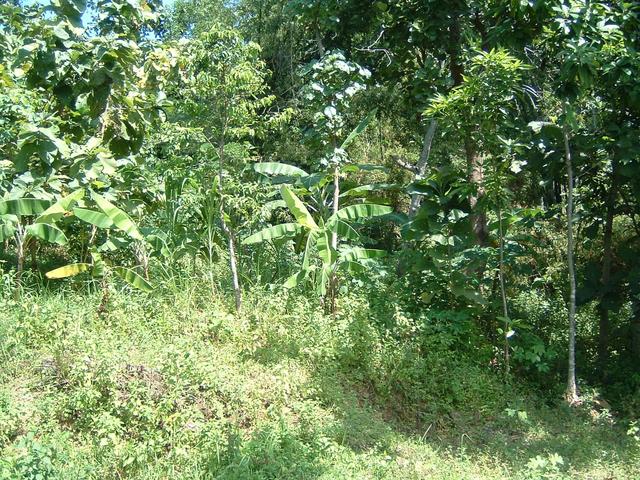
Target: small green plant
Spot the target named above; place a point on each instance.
(521, 415)
(33, 460)
(544, 468)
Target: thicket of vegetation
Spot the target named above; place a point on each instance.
(298, 239)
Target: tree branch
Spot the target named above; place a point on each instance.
(401, 162)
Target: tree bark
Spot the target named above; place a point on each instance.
(333, 280)
(418, 170)
(421, 166)
(20, 236)
(234, 266)
(474, 159)
(635, 332)
(572, 386)
(605, 279)
(319, 42)
(336, 203)
(233, 263)
(19, 270)
(505, 308)
(475, 164)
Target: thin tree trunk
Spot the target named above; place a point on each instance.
(336, 203)
(418, 170)
(635, 332)
(233, 263)
(319, 42)
(572, 386)
(234, 267)
(421, 166)
(19, 270)
(505, 309)
(20, 253)
(333, 281)
(605, 279)
(33, 252)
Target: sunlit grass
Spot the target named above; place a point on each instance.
(175, 386)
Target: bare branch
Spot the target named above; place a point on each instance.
(401, 162)
(371, 49)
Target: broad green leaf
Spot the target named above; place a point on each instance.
(120, 219)
(99, 265)
(343, 230)
(364, 167)
(298, 209)
(363, 190)
(315, 181)
(426, 297)
(24, 206)
(98, 219)
(359, 129)
(468, 294)
(322, 281)
(325, 250)
(6, 231)
(269, 207)
(442, 239)
(355, 267)
(56, 211)
(279, 169)
(68, 270)
(456, 215)
(357, 253)
(133, 279)
(294, 280)
(72, 9)
(277, 231)
(48, 233)
(311, 238)
(113, 243)
(537, 127)
(363, 210)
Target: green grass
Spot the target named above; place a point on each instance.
(173, 386)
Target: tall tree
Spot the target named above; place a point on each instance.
(225, 93)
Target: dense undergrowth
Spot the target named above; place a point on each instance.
(172, 385)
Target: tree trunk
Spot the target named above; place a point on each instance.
(476, 177)
(635, 332)
(233, 263)
(19, 270)
(421, 166)
(20, 253)
(336, 203)
(333, 280)
(605, 279)
(418, 170)
(33, 252)
(505, 308)
(474, 159)
(572, 386)
(234, 266)
(319, 42)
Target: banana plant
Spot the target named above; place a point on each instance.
(101, 268)
(318, 234)
(107, 217)
(26, 220)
